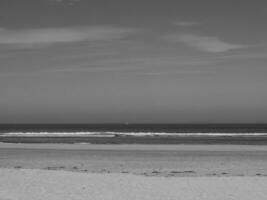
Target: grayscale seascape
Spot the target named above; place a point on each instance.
(133, 100)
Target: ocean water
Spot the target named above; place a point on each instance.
(121, 134)
(135, 133)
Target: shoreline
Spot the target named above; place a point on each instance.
(165, 147)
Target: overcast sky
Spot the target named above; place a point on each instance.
(133, 61)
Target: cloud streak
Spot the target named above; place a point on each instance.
(68, 2)
(203, 43)
(49, 36)
(185, 23)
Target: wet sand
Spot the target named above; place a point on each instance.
(147, 160)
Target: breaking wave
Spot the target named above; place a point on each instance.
(116, 134)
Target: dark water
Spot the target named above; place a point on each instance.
(168, 128)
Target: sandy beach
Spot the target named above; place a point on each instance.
(50, 171)
(51, 185)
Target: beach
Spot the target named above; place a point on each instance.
(82, 171)
(51, 185)
(148, 160)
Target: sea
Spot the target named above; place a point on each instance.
(135, 133)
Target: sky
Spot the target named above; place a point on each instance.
(133, 61)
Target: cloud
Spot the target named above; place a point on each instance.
(182, 72)
(204, 43)
(48, 36)
(67, 2)
(185, 23)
